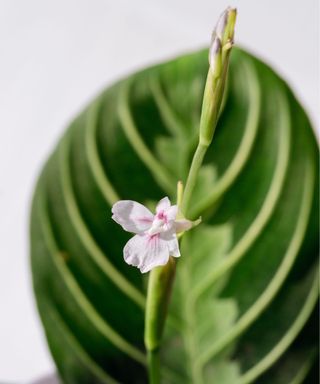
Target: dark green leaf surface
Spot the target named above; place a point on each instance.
(245, 285)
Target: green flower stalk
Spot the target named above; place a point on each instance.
(220, 48)
(155, 245)
(161, 278)
(158, 297)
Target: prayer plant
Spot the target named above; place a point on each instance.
(227, 288)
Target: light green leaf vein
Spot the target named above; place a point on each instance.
(275, 284)
(168, 116)
(80, 298)
(84, 234)
(303, 371)
(160, 174)
(252, 86)
(252, 374)
(86, 360)
(266, 211)
(94, 162)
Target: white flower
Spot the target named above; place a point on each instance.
(155, 238)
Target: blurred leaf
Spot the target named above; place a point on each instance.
(234, 310)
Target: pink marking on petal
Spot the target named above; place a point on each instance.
(153, 238)
(162, 216)
(144, 220)
(146, 252)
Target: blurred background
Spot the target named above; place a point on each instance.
(58, 54)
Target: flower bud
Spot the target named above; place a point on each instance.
(220, 47)
(221, 40)
(225, 26)
(232, 15)
(215, 54)
(221, 24)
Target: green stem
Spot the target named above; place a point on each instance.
(154, 366)
(192, 176)
(158, 297)
(159, 290)
(161, 278)
(212, 98)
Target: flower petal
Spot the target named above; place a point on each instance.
(146, 252)
(172, 243)
(171, 213)
(132, 216)
(163, 205)
(182, 225)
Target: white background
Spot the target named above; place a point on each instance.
(55, 56)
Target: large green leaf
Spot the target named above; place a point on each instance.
(245, 285)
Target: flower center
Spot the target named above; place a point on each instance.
(159, 224)
(161, 215)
